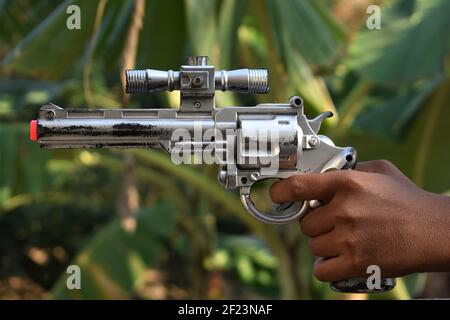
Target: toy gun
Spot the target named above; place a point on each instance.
(266, 141)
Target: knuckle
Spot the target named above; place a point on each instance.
(352, 180)
(349, 243)
(356, 258)
(383, 166)
(296, 186)
(346, 214)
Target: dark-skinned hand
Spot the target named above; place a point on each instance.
(374, 215)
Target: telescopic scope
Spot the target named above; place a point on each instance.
(240, 80)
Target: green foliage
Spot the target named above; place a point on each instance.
(390, 86)
(17, 153)
(37, 52)
(114, 261)
(305, 27)
(405, 60)
(411, 44)
(247, 259)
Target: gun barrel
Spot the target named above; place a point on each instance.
(117, 128)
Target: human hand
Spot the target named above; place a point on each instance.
(373, 215)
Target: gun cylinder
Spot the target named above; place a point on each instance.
(241, 80)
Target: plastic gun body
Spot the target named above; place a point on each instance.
(249, 144)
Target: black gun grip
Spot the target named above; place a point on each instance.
(359, 285)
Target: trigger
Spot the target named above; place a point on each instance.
(317, 121)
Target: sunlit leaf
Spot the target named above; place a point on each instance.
(423, 153)
(409, 45)
(51, 49)
(201, 23)
(25, 162)
(306, 29)
(229, 20)
(114, 262)
(396, 108)
(162, 40)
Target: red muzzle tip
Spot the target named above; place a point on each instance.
(33, 130)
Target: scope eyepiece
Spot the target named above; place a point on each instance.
(243, 80)
(141, 81)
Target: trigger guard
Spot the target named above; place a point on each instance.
(249, 205)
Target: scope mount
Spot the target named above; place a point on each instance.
(197, 82)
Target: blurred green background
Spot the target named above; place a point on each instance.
(142, 228)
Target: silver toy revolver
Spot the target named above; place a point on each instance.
(241, 139)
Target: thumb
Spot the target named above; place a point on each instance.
(311, 186)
